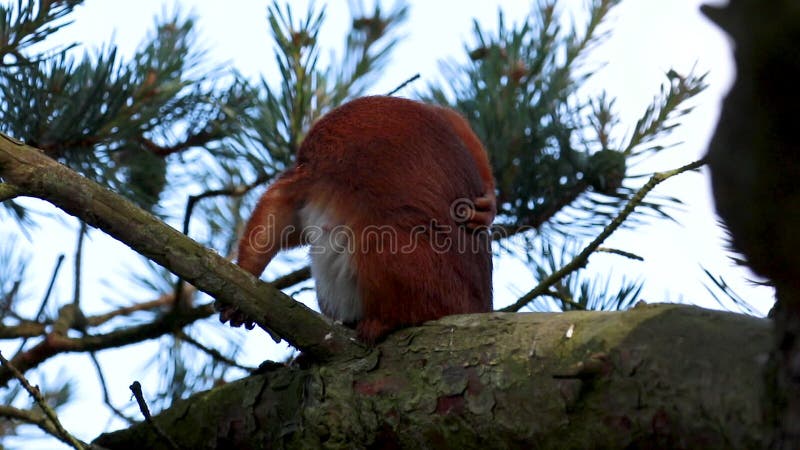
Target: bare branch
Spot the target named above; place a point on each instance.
(55, 343)
(29, 328)
(212, 352)
(25, 329)
(404, 84)
(61, 433)
(104, 386)
(136, 388)
(41, 177)
(31, 417)
(47, 293)
(290, 279)
(235, 191)
(160, 302)
(76, 294)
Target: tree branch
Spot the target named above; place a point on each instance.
(617, 380)
(213, 353)
(104, 386)
(51, 415)
(30, 417)
(160, 302)
(38, 316)
(233, 191)
(41, 177)
(580, 260)
(8, 192)
(28, 329)
(55, 343)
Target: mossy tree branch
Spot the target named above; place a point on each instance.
(38, 176)
(655, 376)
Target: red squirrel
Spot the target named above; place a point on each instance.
(394, 198)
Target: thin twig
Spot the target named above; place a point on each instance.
(59, 261)
(403, 84)
(8, 299)
(214, 353)
(581, 259)
(619, 252)
(565, 299)
(235, 191)
(99, 319)
(47, 293)
(292, 278)
(76, 294)
(61, 433)
(136, 388)
(104, 386)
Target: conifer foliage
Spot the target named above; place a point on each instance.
(166, 127)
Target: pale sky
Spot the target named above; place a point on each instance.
(648, 38)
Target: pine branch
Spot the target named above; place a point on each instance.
(581, 259)
(308, 90)
(659, 118)
(23, 26)
(28, 328)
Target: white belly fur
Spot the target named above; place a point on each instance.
(331, 247)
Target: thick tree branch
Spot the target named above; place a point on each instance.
(656, 376)
(8, 192)
(39, 176)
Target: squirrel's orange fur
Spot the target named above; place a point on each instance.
(375, 192)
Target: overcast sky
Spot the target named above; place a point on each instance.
(648, 38)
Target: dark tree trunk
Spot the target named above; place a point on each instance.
(754, 159)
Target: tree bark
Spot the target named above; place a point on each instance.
(657, 376)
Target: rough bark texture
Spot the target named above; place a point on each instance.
(657, 376)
